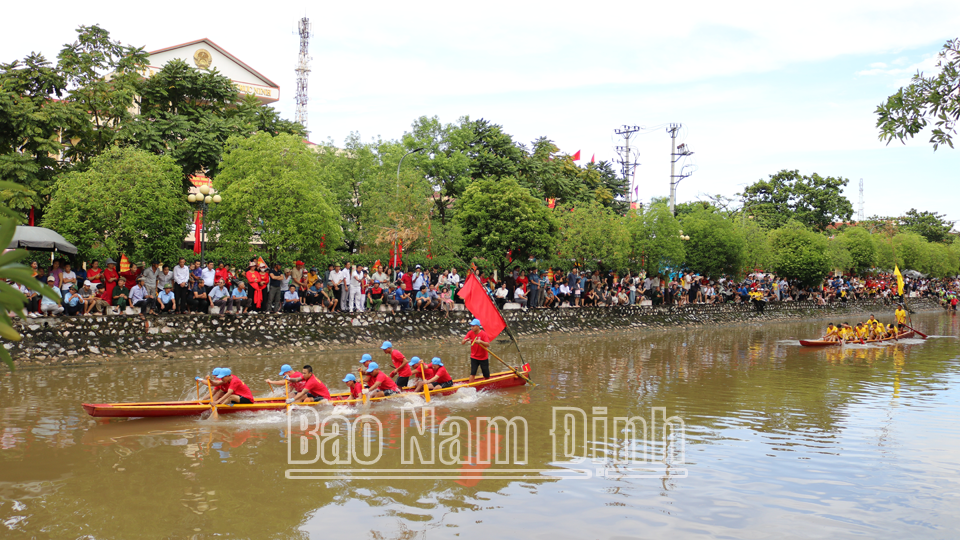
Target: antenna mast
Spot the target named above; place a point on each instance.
(303, 72)
(860, 211)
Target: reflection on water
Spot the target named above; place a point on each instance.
(779, 441)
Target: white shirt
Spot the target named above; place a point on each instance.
(67, 279)
(181, 274)
(356, 280)
(208, 276)
(501, 293)
(454, 278)
(344, 276)
(418, 281)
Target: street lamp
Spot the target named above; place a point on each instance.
(207, 196)
(393, 261)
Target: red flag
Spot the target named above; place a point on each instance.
(551, 203)
(476, 299)
(197, 233)
(593, 158)
(396, 258)
(576, 157)
(124, 263)
(509, 255)
(31, 217)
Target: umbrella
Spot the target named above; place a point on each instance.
(40, 239)
(913, 274)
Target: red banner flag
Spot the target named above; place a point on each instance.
(396, 258)
(197, 233)
(551, 203)
(124, 263)
(476, 299)
(576, 157)
(593, 158)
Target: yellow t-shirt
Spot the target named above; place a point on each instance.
(901, 316)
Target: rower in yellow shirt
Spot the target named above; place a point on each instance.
(833, 333)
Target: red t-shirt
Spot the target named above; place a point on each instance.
(428, 372)
(315, 387)
(400, 362)
(296, 386)
(407, 281)
(224, 274)
(386, 383)
(442, 375)
(355, 390)
(239, 388)
(477, 352)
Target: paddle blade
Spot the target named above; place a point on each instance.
(214, 415)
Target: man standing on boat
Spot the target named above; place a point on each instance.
(901, 315)
(237, 391)
(479, 355)
(400, 367)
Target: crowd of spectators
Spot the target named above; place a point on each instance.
(196, 288)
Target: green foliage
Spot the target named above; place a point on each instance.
(272, 194)
(860, 246)
(107, 101)
(930, 225)
(911, 251)
(443, 161)
(499, 216)
(594, 236)
(815, 201)
(655, 239)
(716, 247)
(126, 201)
(11, 299)
(188, 114)
(925, 100)
(756, 253)
(800, 254)
(30, 123)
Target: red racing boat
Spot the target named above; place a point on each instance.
(504, 379)
(825, 343)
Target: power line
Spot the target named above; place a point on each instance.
(677, 153)
(627, 156)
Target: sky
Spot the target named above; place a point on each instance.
(757, 86)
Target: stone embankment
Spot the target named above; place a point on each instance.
(93, 340)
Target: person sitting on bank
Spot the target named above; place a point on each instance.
(423, 299)
(329, 298)
(380, 384)
(403, 299)
(166, 299)
(120, 296)
(311, 296)
(72, 303)
(440, 378)
(219, 296)
(236, 390)
(92, 301)
(50, 307)
(313, 388)
(239, 299)
(141, 298)
(291, 300)
(375, 296)
(197, 297)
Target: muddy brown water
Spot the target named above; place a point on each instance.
(766, 439)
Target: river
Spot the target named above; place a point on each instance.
(767, 439)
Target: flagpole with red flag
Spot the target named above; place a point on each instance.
(479, 303)
(197, 233)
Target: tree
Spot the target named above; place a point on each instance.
(860, 244)
(443, 161)
(934, 99)
(594, 236)
(655, 239)
(104, 77)
(188, 114)
(126, 201)
(272, 194)
(716, 247)
(756, 253)
(31, 119)
(814, 200)
(501, 220)
(930, 225)
(800, 254)
(910, 251)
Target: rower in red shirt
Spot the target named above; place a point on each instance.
(382, 385)
(440, 379)
(289, 376)
(401, 369)
(313, 388)
(236, 391)
(479, 356)
(416, 365)
(356, 389)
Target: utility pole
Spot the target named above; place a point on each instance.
(627, 160)
(676, 154)
(303, 72)
(860, 209)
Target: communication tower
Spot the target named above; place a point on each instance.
(303, 71)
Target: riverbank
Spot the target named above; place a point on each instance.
(95, 340)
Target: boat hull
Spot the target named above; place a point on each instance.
(823, 343)
(157, 409)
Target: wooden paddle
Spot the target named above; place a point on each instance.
(362, 389)
(214, 415)
(924, 336)
(509, 366)
(426, 386)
